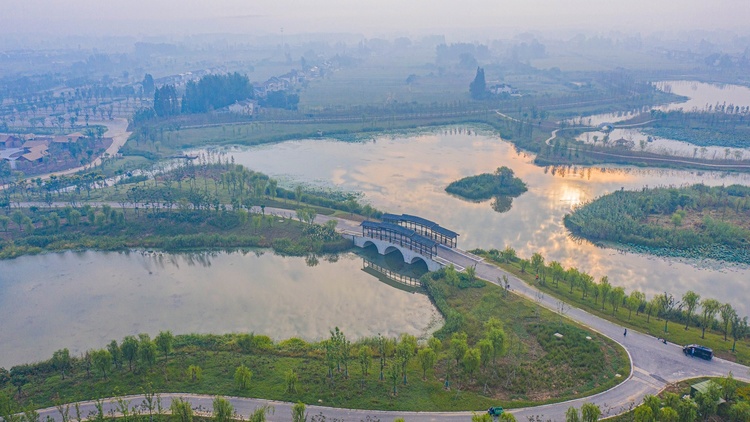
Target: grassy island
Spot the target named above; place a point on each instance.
(695, 221)
(488, 185)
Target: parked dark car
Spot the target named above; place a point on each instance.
(495, 411)
(699, 351)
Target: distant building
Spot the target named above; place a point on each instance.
(499, 89)
(246, 108)
(34, 155)
(624, 143)
(10, 141)
(68, 139)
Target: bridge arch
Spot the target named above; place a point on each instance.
(417, 260)
(368, 244)
(389, 238)
(391, 249)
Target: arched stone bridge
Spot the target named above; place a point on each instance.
(414, 237)
(385, 247)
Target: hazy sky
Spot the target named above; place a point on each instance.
(370, 17)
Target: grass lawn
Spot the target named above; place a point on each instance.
(652, 325)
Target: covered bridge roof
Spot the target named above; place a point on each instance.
(395, 228)
(435, 227)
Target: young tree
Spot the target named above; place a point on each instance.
(290, 377)
(259, 414)
(687, 410)
(590, 412)
(710, 308)
(604, 289)
(195, 373)
(385, 347)
(496, 336)
(8, 411)
(729, 386)
(129, 349)
(61, 361)
(116, 353)
(537, 261)
(486, 350)
(471, 273)
(459, 346)
(653, 402)
(666, 305)
(182, 411)
(18, 217)
(572, 415)
(393, 376)
(634, 301)
(405, 351)
(615, 298)
(726, 312)
(426, 358)
(557, 272)
(708, 401)
(739, 412)
(365, 359)
(102, 360)
(164, 342)
(223, 409)
(475, 417)
(435, 344)
(147, 350)
(298, 412)
(242, 377)
(667, 414)
(643, 413)
(739, 329)
(690, 299)
(18, 380)
(472, 359)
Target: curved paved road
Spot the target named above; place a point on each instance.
(654, 364)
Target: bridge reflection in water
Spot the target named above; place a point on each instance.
(392, 270)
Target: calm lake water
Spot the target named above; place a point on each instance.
(84, 300)
(408, 174)
(701, 96)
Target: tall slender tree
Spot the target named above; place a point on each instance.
(726, 312)
(478, 87)
(691, 300)
(709, 309)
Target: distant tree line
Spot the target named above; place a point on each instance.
(211, 92)
(692, 310)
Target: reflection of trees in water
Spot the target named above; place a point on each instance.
(501, 203)
(312, 260)
(164, 259)
(589, 173)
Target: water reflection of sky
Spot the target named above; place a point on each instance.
(408, 175)
(84, 300)
(700, 96)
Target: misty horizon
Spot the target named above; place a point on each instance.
(474, 20)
